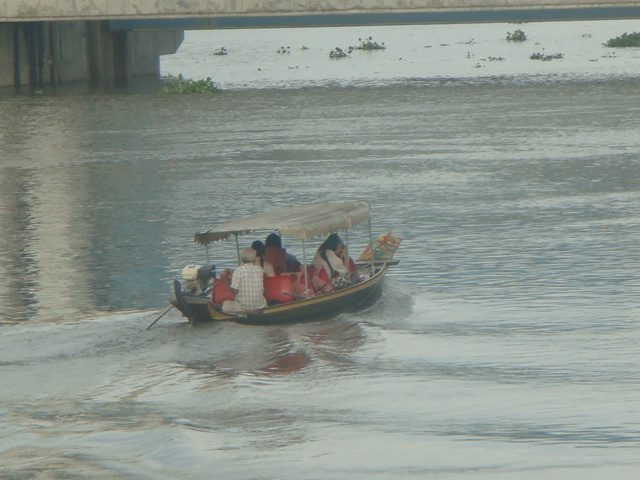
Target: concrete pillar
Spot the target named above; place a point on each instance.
(108, 54)
(121, 58)
(149, 45)
(53, 57)
(68, 47)
(40, 53)
(93, 51)
(35, 41)
(25, 54)
(17, 78)
(97, 54)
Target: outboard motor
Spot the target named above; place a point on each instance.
(198, 279)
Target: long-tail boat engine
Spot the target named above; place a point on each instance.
(198, 279)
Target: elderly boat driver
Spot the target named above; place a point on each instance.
(247, 284)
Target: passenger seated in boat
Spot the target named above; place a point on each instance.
(247, 282)
(266, 266)
(278, 256)
(331, 258)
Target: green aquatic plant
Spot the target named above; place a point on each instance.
(517, 36)
(366, 44)
(625, 40)
(180, 85)
(340, 53)
(544, 57)
(369, 44)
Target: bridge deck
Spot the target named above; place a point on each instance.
(233, 12)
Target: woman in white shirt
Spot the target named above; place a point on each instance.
(331, 258)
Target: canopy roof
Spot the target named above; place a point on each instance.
(303, 221)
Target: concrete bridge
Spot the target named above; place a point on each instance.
(105, 41)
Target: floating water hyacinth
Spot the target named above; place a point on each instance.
(517, 36)
(625, 40)
(545, 58)
(180, 85)
(339, 53)
(369, 44)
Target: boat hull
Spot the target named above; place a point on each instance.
(199, 309)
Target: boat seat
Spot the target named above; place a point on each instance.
(221, 292)
(322, 283)
(298, 281)
(276, 289)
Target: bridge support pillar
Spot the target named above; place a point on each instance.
(122, 67)
(17, 78)
(40, 53)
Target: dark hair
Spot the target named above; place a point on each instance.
(333, 242)
(258, 246)
(273, 240)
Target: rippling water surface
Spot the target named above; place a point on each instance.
(505, 344)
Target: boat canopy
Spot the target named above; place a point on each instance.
(302, 221)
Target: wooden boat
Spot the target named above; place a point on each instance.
(303, 222)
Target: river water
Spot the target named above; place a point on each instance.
(505, 345)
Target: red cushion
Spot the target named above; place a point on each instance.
(323, 275)
(221, 292)
(352, 266)
(276, 288)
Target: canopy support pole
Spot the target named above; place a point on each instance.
(373, 266)
(238, 248)
(304, 268)
(346, 236)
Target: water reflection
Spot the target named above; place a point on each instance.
(78, 236)
(287, 360)
(19, 278)
(253, 354)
